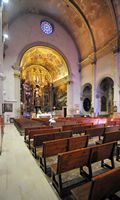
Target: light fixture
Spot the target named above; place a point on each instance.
(5, 1)
(5, 35)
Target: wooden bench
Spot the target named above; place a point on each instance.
(109, 137)
(69, 127)
(112, 128)
(68, 161)
(27, 130)
(100, 153)
(52, 148)
(101, 187)
(93, 132)
(40, 132)
(39, 139)
(78, 159)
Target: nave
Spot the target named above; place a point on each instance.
(21, 178)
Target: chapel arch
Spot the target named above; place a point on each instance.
(44, 77)
(106, 95)
(87, 97)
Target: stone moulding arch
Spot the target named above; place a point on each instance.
(27, 47)
(99, 82)
(83, 87)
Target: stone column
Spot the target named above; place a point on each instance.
(69, 98)
(95, 97)
(117, 81)
(116, 4)
(1, 63)
(17, 93)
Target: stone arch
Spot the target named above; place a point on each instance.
(87, 97)
(106, 92)
(44, 59)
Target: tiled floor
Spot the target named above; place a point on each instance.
(20, 176)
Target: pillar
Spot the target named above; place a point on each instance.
(117, 81)
(69, 98)
(1, 63)
(17, 93)
(95, 96)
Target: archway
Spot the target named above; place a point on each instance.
(44, 75)
(87, 97)
(106, 96)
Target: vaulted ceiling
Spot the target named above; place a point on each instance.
(93, 24)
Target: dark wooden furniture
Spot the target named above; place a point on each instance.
(68, 161)
(27, 130)
(52, 148)
(40, 132)
(101, 187)
(78, 159)
(39, 139)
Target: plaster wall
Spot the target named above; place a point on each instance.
(105, 67)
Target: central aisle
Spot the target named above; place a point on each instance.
(20, 176)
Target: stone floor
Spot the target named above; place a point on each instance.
(20, 176)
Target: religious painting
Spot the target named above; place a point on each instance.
(8, 107)
(60, 96)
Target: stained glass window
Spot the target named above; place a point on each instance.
(46, 27)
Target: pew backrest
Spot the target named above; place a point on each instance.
(92, 132)
(42, 131)
(40, 138)
(112, 128)
(100, 187)
(77, 142)
(72, 160)
(105, 185)
(101, 152)
(52, 148)
(27, 130)
(111, 136)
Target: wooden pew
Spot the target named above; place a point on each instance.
(77, 142)
(93, 132)
(109, 137)
(78, 159)
(69, 127)
(78, 127)
(100, 153)
(52, 148)
(112, 128)
(27, 130)
(42, 131)
(68, 161)
(39, 139)
(101, 187)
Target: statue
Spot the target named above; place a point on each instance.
(37, 98)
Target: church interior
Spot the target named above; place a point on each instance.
(60, 99)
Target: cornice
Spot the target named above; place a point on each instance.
(111, 46)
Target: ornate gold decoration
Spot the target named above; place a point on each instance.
(47, 58)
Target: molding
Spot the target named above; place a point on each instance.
(109, 47)
(10, 100)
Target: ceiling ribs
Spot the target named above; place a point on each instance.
(75, 5)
